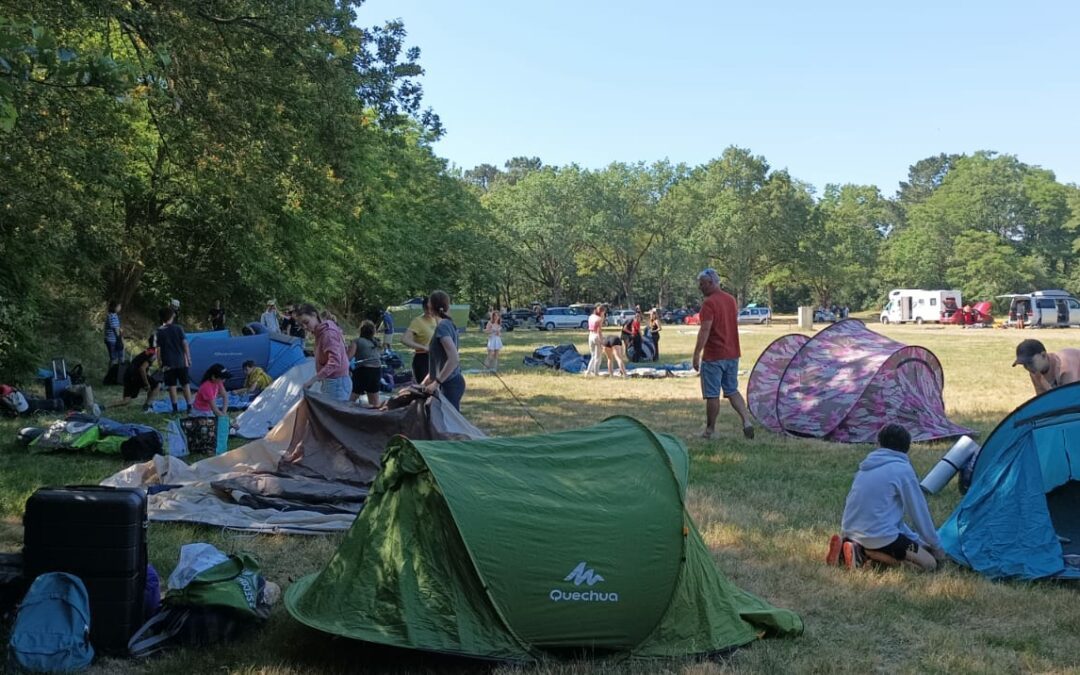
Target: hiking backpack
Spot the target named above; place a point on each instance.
(52, 627)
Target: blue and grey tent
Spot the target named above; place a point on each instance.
(1020, 517)
(273, 353)
(207, 335)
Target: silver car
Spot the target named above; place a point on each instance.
(760, 315)
(563, 317)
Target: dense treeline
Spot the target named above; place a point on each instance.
(199, 150)
(985, 223)
(237, 150)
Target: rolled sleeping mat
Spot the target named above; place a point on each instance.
(957, 456)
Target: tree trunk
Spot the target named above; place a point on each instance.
(122, 282)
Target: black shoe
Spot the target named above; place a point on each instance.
(748, 432)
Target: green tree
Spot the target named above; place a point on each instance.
(626, 221)
(983, 267)
(838, 253)
(924, 177)
(544, 215)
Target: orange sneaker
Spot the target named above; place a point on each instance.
(853, 555)
(832, 558)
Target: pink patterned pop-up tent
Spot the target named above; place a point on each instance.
(845, 383)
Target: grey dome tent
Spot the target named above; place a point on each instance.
(510, 548)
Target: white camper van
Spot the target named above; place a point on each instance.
(909, 304)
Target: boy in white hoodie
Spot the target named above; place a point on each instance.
(883, 495)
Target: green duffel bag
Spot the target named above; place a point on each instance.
(215, 606)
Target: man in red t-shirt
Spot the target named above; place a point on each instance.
(716, 354)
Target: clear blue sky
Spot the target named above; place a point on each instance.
(835, 92)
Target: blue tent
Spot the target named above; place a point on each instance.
(274, 353)
(1021, 515)
(207, 335)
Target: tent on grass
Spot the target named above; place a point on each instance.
(509, 548)
(845, 383)
(1021, 514)
(274, 353)
(274, 402)
(252, 488)
(207, 335)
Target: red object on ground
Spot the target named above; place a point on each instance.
(693, 319)
(970, 315)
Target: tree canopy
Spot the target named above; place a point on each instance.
(240, 152)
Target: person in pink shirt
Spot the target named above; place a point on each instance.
(596, 339)
(331, 357)
(212, 387)
(1047, 370)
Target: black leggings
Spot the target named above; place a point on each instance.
(656, 345)
(419, 366)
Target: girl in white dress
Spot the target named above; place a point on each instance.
(494, 344)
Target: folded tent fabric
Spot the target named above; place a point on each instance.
(235, 402)
(342, 447)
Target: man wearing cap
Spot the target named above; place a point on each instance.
(716, 354)
(270, 318)
(1048, 371)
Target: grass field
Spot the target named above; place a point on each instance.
(765, 507)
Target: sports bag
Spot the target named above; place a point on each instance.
(214, 605)
(52, 627)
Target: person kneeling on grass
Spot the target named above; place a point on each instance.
(206, 398)
(884, 493)
(255, 379)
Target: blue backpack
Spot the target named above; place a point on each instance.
(52, 628)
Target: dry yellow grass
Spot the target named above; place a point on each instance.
(765, 507)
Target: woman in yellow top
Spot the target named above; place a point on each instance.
(418, 336)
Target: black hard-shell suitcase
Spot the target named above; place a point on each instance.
(99, 535)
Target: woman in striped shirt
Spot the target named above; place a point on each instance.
(114, 340)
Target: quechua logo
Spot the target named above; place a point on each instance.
(582, 575)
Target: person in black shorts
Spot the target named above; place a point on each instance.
(174, 356)
(613, 348)
(137, 377)
(884, 493)
(368, 370)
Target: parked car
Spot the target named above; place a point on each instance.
(618, 317)
(759, 315)
(523, 318)
(824, 316)
(1043, 309)
(563, 317)
(675, 315)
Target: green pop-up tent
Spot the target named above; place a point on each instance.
(510, 548)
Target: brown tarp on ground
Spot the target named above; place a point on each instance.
(252, 488)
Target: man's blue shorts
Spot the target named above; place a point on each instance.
(719, 377)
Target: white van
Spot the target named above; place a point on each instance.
(920, 306)
(1043, 309)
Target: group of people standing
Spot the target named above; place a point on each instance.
(432, 335)
(614, 347)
